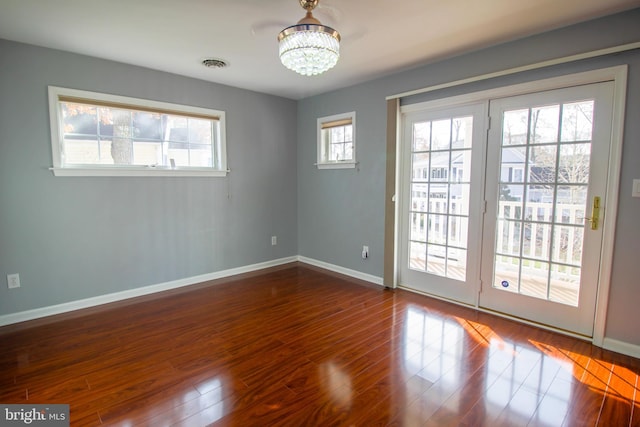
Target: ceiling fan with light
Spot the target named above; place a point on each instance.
(309, 47)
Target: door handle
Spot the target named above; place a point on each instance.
(595, 213)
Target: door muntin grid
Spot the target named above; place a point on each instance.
(440, 185)
(544, 174)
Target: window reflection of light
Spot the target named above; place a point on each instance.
(338, 384)
(209, 385)
(517, 377)
(215, 412)
(212, 390)
(432, 345)
(433, 349)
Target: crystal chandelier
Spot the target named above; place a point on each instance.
(308, 47)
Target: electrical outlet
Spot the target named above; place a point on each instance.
(13, 281)
(274, 240)
(365, 252)
(636, 188)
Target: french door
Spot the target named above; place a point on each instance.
(442, 194)
(509, 219)
(546, 171)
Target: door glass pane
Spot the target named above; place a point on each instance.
(540, 224)
(511, 198)
(574, 163)
(513, 160)
(544, 124)
(417, 256)
(419, 200)
(542, 163)
(440, 191)
(437, 198)
(537, 240)
(441, 135)
(577, 121)
(462, 128)
(418, 229)
(565, 284)
(507, 273)
(421, 136)
(534, 278)
(439, 168)
(436, 259)
(420, 167)
(508, 237)
(460, 166)
(567, 245)
(458, 196)
(539, 194)
(571, 204)
(456, 263)
(515, 127)
(458, 231)
(437, 229)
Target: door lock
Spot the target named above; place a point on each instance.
(595, 213)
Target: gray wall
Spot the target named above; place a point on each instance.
(340, 210)
(74, 238)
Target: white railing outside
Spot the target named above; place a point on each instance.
(543, 240)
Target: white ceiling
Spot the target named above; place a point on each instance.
(379, 37)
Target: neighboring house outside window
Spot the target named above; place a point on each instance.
(337, 141)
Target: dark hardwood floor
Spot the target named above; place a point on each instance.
(298, 347)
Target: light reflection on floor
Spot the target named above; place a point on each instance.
(512, 382)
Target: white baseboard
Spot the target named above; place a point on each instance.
(37, 313)
(342, 270)
(23, 316)
(623, 347)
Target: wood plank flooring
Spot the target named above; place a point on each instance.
(300, 347)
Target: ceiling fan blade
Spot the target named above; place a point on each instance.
(326, 12)
(272, 26)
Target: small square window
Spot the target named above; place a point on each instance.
(337, 141)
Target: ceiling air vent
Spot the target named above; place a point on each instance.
(214, 63)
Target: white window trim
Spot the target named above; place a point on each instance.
(60, 169)
(134, 171)
(347, 164)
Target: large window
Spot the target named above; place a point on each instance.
(337, 141)
(96, 134)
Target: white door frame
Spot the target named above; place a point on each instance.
(618, 75)
(479, 112)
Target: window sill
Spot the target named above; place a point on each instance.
(137, 171)
(341, 165)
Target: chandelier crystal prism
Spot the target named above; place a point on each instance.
(308, 47)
